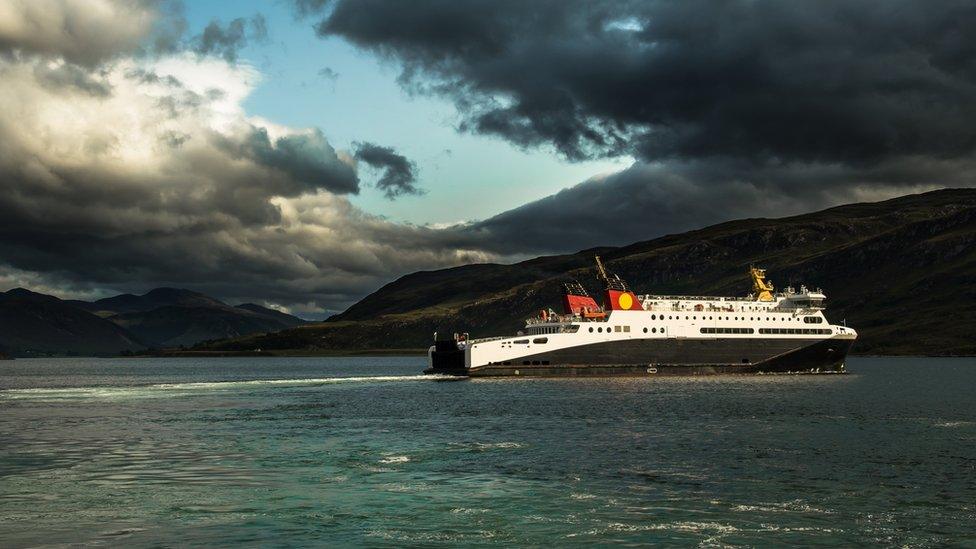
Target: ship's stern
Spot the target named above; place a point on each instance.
(447, 357)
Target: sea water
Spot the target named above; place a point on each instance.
(366, 451)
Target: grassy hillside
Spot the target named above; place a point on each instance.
(902, 272)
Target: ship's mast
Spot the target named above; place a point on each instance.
(612, 281)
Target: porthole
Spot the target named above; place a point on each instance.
(654, 330)
(645, 330)
(591, 329)
(653, 317)
(600, 330)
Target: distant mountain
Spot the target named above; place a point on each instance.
(32, 323)
(154, 299)
(173, 326)
(901, 271)
(38, 324)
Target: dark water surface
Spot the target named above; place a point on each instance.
(363, 451)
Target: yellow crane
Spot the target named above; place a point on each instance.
(761, 288)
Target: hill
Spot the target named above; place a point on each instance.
(901, 271)
(38, 324)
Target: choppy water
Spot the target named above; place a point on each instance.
(363, 451)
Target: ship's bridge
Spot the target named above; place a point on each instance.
(804, 299)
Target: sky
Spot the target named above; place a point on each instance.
(303, 153)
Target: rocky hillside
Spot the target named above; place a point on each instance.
(902, 271)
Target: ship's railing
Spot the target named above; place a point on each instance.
(554, 319)
(483, 339)
(695, 298)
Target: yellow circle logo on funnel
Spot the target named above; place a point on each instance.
(625, 301)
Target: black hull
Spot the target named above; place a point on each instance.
(657, 357)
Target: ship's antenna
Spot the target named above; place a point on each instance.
(600, 270)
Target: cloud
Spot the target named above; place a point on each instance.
(398, 176)
(328, 74)
(81, 31)
(226, 41)
(822, 82)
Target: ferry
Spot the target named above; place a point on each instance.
(658, 335)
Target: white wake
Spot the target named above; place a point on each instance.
(177, 389)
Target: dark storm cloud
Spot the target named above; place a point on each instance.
(398, 172)
(226, 41)
(307, 159)
(849, 82)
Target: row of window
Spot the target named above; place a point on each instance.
(808, 320)
(709, 330)
(625, 329)
(765, 331)
(794, 330)
(568, 329)
(727, 331)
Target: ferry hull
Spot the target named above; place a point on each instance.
(650, 357)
